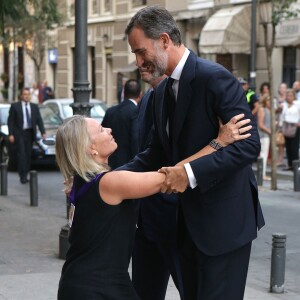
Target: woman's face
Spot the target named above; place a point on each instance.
(290, 97)
(102, 142)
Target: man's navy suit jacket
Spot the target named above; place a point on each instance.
(121, 119)
(223, 212)
(156, 214)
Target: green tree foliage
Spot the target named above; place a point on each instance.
(28, 22)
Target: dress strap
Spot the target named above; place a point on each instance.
(83, 189)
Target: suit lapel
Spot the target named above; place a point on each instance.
(184, 95)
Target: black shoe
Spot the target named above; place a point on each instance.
(24, 180)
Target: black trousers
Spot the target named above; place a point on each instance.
(292, 148)
(221, 277)
(152, 264)
(24, 151)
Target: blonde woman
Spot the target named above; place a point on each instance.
(264, 130)
(102, 223)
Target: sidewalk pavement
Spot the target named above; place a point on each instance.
(29, 239)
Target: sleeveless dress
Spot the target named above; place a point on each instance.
(101, 241)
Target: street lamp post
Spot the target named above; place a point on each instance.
(81, 90)
(252, 78)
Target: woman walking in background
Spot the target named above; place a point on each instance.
(290, 128)
(279, 107)
(264, 130)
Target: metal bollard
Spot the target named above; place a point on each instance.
(278, 263)
(33, 188)
(296, 170)
(4, 179)
(68, 205)
(259, 176)
(64, 244)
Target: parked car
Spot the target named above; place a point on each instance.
(43, 151)
(64, 110)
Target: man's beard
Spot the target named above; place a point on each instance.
(158, 66)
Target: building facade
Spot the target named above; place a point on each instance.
(219, 30)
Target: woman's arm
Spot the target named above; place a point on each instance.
(117, 186)
(260, 121)
(229, 133)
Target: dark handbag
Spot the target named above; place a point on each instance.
(289, 129)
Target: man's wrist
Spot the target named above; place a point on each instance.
(216, 144)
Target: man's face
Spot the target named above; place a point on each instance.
(26, 95)
(151, 57)
(245, 86)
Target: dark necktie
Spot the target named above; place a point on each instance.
(170, 105)
(28, 116)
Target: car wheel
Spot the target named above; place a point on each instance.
(7, 157)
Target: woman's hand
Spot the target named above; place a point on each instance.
(234, 130)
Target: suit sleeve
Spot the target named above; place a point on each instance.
(228, 100)
(12, 120)
(39, 120)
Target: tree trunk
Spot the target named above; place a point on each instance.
(269, 51)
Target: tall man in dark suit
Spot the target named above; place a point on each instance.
(23, 119)
(155, 255)
(219, 212)
(122, 120)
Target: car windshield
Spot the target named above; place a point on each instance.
(97, 111)
(50, 118)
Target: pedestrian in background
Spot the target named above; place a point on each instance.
(296, 88)
(47, 91)
(264, 130)
(121, 119)
(279, 107)
(251, 96)
(290, 128)
(34, 92)
(186, 111)
(23, 119)
(102, 218)
(264, 89)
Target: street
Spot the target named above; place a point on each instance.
(29, 264)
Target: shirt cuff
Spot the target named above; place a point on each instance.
(191, 176)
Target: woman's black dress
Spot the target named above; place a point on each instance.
(101, 241)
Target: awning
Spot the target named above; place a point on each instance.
(129, 68)
(227, 31)
(288, 33)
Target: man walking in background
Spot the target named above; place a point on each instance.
(23, 119)
(122, 120)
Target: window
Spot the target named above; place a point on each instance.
(95, 7)
(107, 5)
(138, 2)
(71, 8)
(289, 65)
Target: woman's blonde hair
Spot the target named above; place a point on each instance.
(264, 99)
(72, 157)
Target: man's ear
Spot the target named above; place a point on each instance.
(165, 38)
